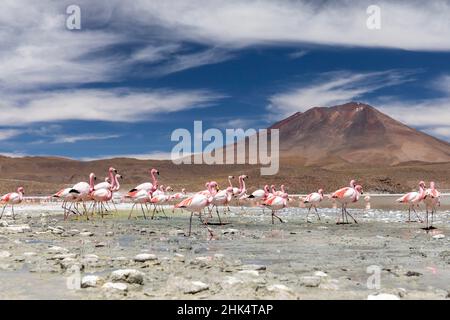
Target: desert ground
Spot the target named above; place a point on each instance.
(44, 257)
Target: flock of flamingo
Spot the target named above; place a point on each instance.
(96, 198)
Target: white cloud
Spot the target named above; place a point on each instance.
(298, 54)
(101, 105)
(83, 137)
(6, 134)
(334, 88)
(155, 155)
(404, 24)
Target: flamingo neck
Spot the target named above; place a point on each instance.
(273, 190)
(91, 183)
(116, 183)
(229, 182)
(154, 181)
(243, 185)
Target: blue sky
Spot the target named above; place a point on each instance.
(137, 70)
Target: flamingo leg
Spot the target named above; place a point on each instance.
(317, 212)
(4, 207)
(13, 215)
(273, 213)
(190, 224)
(309, 209)
(131, 211)
(417, 215)
(143, 212)
(351, 216)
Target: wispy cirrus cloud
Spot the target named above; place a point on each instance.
(113, 105)
(83, 137)
(333, 88)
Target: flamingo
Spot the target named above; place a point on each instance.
(412, 199)
(67, 195)
(431, 199)
(347, 195)
(160, 198)
(84, 190)
(148, 186)
(102, 195)
(242, 188)
(222, 198)
(12, 199)
(196, 204)
(275, 203)
(313, 199)
(235, 189)
(259, 194)
(178, 196)
(109, 181)
(141, 197)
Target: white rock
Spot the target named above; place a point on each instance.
(320, 274)
(86, 234)
(5, 254)
(179, 257)
(18, 228)
(439, 236)
(310, 281)
(128, 275)
(231, 281)
(115, 286)
(382, 296)
(90, 281)
(61, 256)
(56, 249)
(29, 254)
(278, 287)
(219, 256)
(194, 287)
(252, 273)
(3, 224)
(142, 257)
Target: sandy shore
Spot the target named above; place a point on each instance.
(42, 256)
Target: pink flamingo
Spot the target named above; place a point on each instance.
(148, 186)
(196, 204)
(347, 195)
(83, 191)
(102, 195)
(109, 181)
(313, 199)
(12, 199)
(221, 198)
(235, 189)
(159, 199)
(432, 200)
(242, 188)
(412, 199)
(67, 195)
(275, 203)
(178, 196)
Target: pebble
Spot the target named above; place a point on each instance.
(3, 224)
(230, 231)
(382, 296)
(29, 254)
(320, 274)
(194, 287)
(115, 286)
(19, 228)
(86, 234)
(178, 257)
(310, 281)
(90, 281)
(61, 256)
(128, 275)
(100, 245)
(253, 273)
(5, 254)
(439, 236)
(109, 234)
(142, 257)
(56, 249)
(254, 267)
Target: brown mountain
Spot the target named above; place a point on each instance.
(355, 133)
(322, 147)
